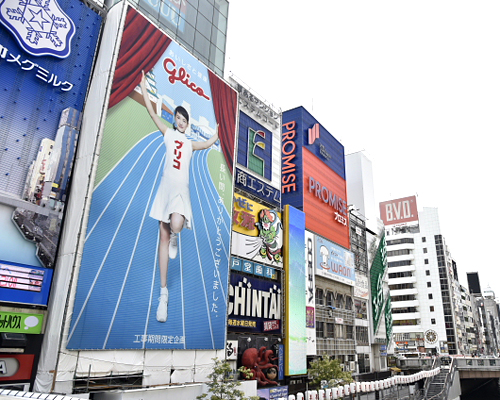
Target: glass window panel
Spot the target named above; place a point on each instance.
(187, 36)
(151, 8)
(222, 23)
(191, 13)
(203, 26)
(218, 38)
(202, 46)
(206, 9)
(169, 17)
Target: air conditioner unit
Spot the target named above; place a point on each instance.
(352, 365)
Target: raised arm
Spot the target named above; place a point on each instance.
(207, 143)
(156, 119)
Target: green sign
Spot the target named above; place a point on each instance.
(377, 271)
(388, 320)
(20, 322)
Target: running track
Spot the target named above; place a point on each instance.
(118, 285)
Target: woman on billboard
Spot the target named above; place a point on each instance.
(172, 204)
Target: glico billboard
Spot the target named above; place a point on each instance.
(313, 175)
(155, 264)
(46, 55)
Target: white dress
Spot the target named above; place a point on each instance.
(173, 192)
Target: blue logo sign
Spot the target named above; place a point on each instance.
(255, 147)
(40, 27)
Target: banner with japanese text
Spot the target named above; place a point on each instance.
(257, 232)
(46, 55)
(155, 265)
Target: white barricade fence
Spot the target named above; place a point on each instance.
(358, 387)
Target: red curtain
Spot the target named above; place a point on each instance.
(225, 104)
(142, 46)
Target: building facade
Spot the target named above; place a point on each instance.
(421, 279)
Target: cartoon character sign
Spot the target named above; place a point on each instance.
(270, 227)
(257, 232)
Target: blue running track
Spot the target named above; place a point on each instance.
(118, 284)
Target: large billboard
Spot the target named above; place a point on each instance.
(399, 211)
(334, 262)
(257, 232)
(377, 272)
(259, 148)
(154, 269)
(325, 201)
(46, 56)
(295, 269)
(313, 175)
(254, 305)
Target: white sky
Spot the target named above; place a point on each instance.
(415, 84)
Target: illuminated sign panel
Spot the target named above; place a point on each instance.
(16, 367)
(46, 57)
(254, 305)
(257, 187)
(325, 201)
(399, 211)
(154, 178)
(255, 146)
(310, 293)
(334, 262)
(21, 322)
(313, 175)
(257, 232)
(295, 268)
(377, 272)
(259, 151)
(24, 284)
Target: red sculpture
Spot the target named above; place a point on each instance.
(257, 361)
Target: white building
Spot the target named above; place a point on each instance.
(371, 350)
(421, 279)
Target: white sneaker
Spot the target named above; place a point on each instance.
(172, 246)
(161, 312)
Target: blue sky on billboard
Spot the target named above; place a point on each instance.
(175, 58)
(414, 85)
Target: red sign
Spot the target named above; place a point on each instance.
(325, 201)
(399, 211)
(16, 367)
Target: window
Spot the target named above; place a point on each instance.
(424, 239)
(349, 332)
(348, 303)
(427, 272)
(340, 301)
(433, 321)
(429, 284)
(425, 249)
(403, 252)
(426, 261)
(319, 296)
(330, 300)
(330, 330)
(319, 329)
(431, 308)
(430, 296)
